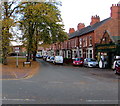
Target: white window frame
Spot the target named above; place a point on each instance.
(86, 42)
(80, 42)
(90, 40)
(91, 53)
(69, 54)
(83, 42)
(80, 53)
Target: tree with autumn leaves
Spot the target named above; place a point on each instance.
(6, 21)
(39, 22)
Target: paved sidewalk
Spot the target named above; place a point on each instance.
(14, 73)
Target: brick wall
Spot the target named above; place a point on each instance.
(111, 25)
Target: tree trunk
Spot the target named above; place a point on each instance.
(4, 60)
(28, 55)
(5, 46)
(34, 56)
(36, 46)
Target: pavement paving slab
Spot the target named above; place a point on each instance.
(15, 73)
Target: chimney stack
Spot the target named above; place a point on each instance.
(80, 26)
(94, 19)
(71, 30)
(115, 11)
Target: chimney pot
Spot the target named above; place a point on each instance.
(95, 19)
(115, 11)
(80, 26)
(71, 30)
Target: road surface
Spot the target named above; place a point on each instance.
(62, 84)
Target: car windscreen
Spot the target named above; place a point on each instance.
(92, 60)
(52, 57)
(78, 59)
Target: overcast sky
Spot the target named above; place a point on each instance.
(80, 11)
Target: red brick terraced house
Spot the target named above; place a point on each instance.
(65, 48)
(83, 41)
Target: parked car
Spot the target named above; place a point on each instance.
(48, 59)
(117, 67)
(78, 61)
(52, 59)
(90, 62)
(45, 57)
(58, 60)
(116, 58)
(38, 56)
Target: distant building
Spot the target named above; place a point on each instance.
(18, 49)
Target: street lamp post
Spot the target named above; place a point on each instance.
(17, 60)
(17, 51)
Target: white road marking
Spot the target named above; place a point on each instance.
(5, 99)
(102, 101)
(15, 75)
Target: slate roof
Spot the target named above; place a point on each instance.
(116, 39)
(87, 29)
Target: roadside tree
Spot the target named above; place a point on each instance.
(7, 21)
(40, 22)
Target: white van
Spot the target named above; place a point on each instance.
(58, 59)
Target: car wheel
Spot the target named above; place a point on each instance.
(87, 65)
(115, 71)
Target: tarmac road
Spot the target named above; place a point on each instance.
(62, 84)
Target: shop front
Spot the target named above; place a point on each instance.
(106, 53)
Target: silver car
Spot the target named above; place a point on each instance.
(90, 62)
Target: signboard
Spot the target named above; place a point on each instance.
(106, 48)
(17, 49)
